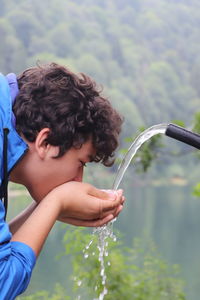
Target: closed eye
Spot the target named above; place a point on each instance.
(83, 163)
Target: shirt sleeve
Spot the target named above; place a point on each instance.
(16, 264)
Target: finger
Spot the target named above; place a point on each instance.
(90, 223)
(101, 222)
(123, 200)
(114, 212)
(75, 222)
(118, 211)
(110, 205)
(98, 207)
(102, 194)
(102, 208)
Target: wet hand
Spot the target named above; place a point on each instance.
(82, 204)
(95, 222)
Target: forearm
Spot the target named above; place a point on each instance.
(73, 202)
(16, 222)
(37, 226)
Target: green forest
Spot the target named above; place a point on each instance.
(145, 53)
(146, 56)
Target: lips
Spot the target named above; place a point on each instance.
(77, 179)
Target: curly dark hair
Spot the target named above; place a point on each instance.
(71, 106)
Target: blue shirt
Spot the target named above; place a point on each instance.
(16, 259)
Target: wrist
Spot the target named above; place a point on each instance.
(52, 203)
(59, 197)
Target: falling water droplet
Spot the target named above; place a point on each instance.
(79, 283)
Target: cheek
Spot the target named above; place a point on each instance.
(70, 171)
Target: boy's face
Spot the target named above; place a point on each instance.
(43, 173)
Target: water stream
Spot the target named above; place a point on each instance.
(137, 143)
(106, 231)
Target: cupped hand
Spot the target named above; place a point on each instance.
(82, 204)
(95, 222)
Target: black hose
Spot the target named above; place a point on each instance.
(183, 135)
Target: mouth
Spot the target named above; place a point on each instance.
(76, 179)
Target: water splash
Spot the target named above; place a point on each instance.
(106, 231)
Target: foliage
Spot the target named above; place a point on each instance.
(196, 190)
(179, 123)
(196, 122)
(59, 294)
(130, 47)
(138, 273)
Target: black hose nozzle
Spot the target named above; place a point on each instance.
(183, 135)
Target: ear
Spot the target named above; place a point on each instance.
(43, 148)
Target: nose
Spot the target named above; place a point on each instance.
(79, 176)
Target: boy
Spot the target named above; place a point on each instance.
(59, 123)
